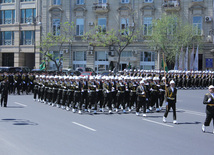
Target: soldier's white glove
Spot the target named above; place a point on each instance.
(166, 103)
(209, 100)
(142, 93)
(146, 99)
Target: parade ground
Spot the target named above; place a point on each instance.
(33, 128)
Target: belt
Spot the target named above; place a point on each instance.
(92, 91)
(77, 91)
(211, 105)
(120, 91)
(133, 91)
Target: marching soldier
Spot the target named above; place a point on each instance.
(120, 95)
(92, 94)
(209, 102)
(77, 95)
(141, 98)
(4, 92)
(107, 88)
(85, 92)
(133, 97)
(171, 98)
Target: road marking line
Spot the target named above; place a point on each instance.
(158, 123)
(84, 126)
(20, 104)
(193, 112)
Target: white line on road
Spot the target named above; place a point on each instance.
(158, 123)
(20, 104)
(84, 126)
(193, 112)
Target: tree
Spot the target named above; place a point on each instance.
(56, 40)
(117, 39)
(170, 33)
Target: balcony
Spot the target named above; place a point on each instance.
(171, 5)
(101, 7)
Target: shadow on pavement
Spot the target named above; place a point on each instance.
(15, 107)
(190, 123)
(18, 121)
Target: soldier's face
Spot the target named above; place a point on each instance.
(211, 90)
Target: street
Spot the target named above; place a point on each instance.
(33, 128)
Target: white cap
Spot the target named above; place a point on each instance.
(211, 87)
(163, 78)
(156, 78)
(172, 82)
(91, 78)
(141, 82)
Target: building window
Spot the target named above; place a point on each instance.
(148, 1)
(147, 56)
(79, 27)
(57, 2)
(56, 27)
(27, 15)
(197, 25)
(102, 1)
(27, 37)
(7, 16)
(7, 38)
(7, 1)
(79, 59)
(27, 0)
(80, 2)
(102, 24)
(124, 1)
(147, 26)
(127, 54)
(124, 26)
(101, 56)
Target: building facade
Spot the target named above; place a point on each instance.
(20, 31)
(110, 14)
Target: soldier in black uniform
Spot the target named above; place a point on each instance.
(56, 85)
(120, 95)
(141, 98)
(77, 95)
(171, 98)
(107, 88)
(92, 94)
(85, 92)
(36, 84)
(4, 92)
(209, 102)
(99, 94)
(133, 97)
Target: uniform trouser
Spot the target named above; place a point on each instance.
(59, 96)
(54, 95)
(77, 98)
(113, 98)
(133, 99)
(4, 97)
(161, 98)
(46, 89)
(127, 98)
(120, 100)
(69, 97)
(108, 100)
(18, 87)
(24, 87)
(41, 93)
(35, 93)
(154, 99)
(64, 97)
(85, 99)
(141, 101)
(100, 98)
(11, 88)
(171, 104)
(92, 100)
(49, 96)
(209, 115)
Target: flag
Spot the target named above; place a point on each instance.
(195, 65)
(186, 60)
(164, 65)
(42, 66)
(176, 62)
(192, 58)
(181, 59)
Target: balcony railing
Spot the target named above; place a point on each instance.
(8, 42)
(171, 5)
(101, 7)
(9, 21)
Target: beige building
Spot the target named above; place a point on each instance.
(20, 31)
(106, 13)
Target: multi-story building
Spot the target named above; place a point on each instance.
(20, 31)
(110, 14)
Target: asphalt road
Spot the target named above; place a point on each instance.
(33, 128)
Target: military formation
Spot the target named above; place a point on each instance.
(126, 91)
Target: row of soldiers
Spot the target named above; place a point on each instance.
(121, 93)
(18, 82)
(183, 79)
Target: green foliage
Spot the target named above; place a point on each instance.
(50, 41)
(170, 33)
